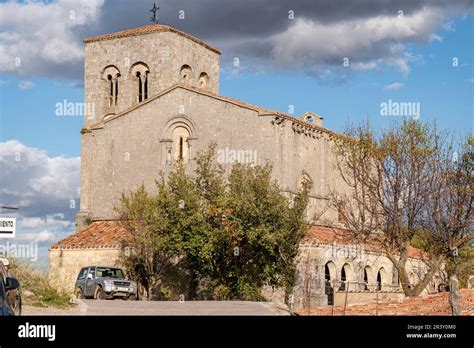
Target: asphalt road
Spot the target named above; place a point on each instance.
(121, 307)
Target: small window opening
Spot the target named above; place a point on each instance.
(139, 79)
(181, 148)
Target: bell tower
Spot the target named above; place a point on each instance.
(126, 68)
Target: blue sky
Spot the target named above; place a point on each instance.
(444, 92)
(283, 63)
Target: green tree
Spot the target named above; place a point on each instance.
(152, 246)
(228, 236)
(257, 241)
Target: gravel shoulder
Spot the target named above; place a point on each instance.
(48, 311)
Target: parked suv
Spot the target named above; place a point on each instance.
(102, 283)
(10, 298)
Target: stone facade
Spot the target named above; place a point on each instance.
(354, 273)
(65, 264)
(127, 144)
(155, 96)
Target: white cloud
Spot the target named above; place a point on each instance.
(55, 220)
(393, 86)
(42, 187)
(44, 236)
(367, 43)
(25, 84)
(41, 38)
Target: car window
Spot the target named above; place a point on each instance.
(92, 271)
(107, 272)
(83, 273)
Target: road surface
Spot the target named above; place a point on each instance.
(121, 307)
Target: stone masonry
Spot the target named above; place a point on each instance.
(155, 97)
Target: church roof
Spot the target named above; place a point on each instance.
(98, 235)
(148, 29)
(111, 234)
(262, 111)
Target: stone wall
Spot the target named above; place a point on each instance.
(163, 52)
(362, 297)
(65, 264)
(311, 286)
(131, 149)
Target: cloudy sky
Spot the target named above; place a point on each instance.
(340, 59)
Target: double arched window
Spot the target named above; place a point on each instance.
(139, 73)
(111, 75)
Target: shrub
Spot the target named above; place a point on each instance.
(35, 287)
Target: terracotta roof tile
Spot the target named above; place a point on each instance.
(101, 234)
(148, 29)
(330, 235)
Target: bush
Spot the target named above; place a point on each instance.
(35, 287)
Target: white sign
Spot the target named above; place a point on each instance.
(7, 227)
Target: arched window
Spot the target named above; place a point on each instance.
(139, 72)
(329, 275)
(186, 73)
(203, 80)
(381, 278)
(367, 271)
(345, 276)
(111, 75)
(180, 136)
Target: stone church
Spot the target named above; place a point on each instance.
(155, 97)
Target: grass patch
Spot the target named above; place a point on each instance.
(35, 287)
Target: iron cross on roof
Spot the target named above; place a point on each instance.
(155, 9)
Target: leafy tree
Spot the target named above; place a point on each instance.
(259, 234)
(229, 235)
(405, 189)
(449, 211)
(152, 246)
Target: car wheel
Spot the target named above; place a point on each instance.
(79, 294)
(133, 298)
(99, 294)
